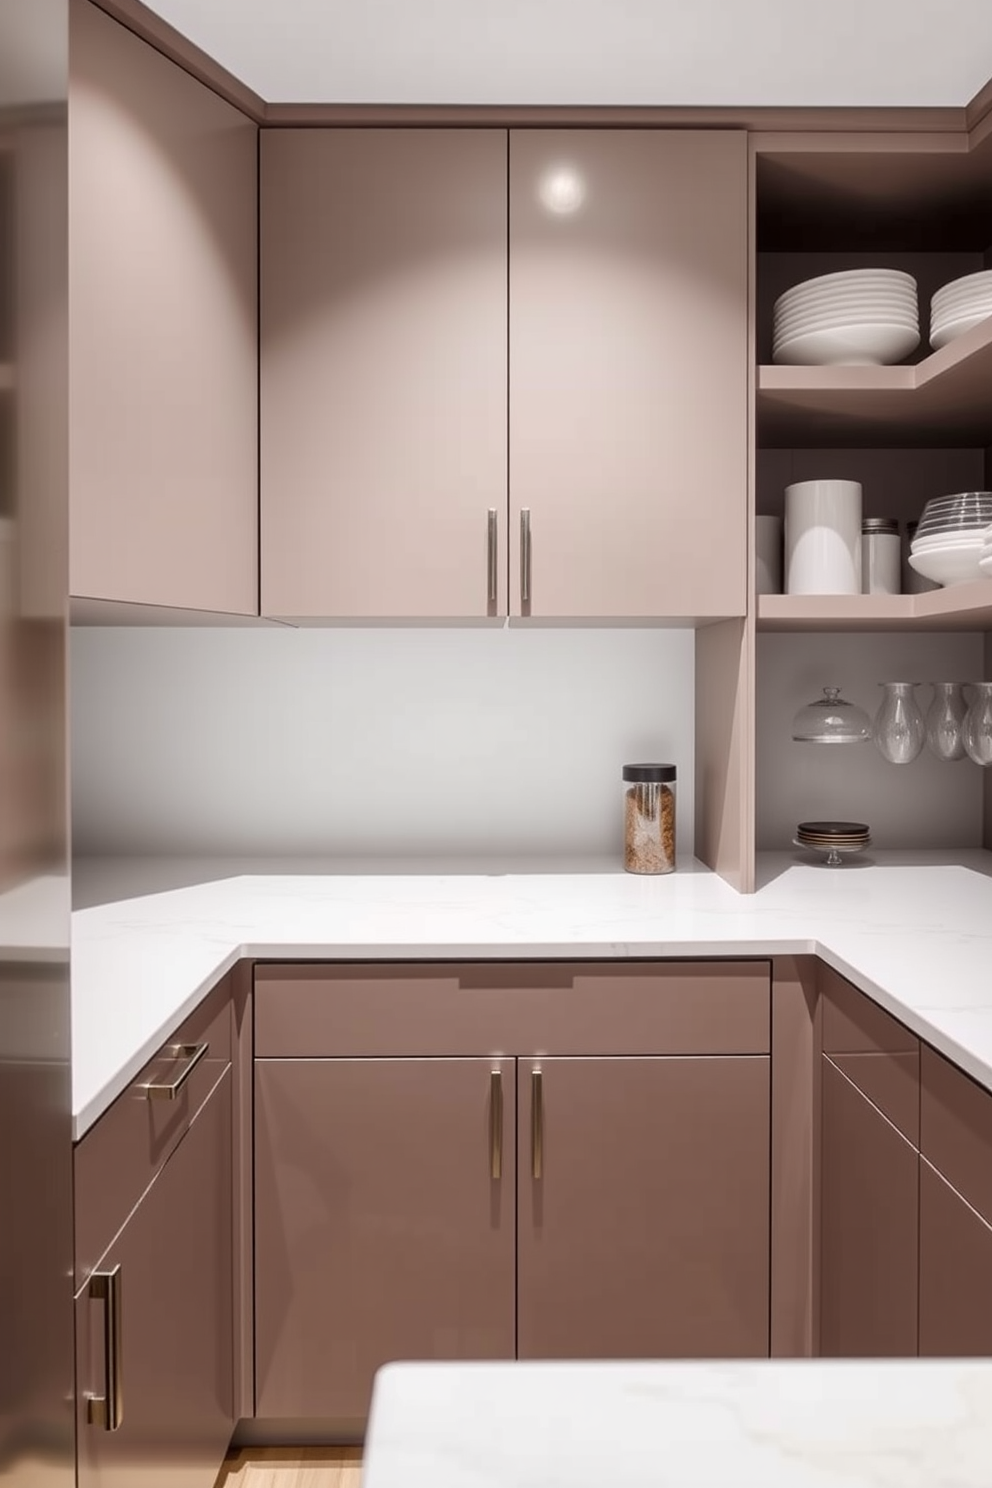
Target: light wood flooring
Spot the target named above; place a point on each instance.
(293, 1467)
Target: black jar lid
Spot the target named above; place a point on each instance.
(650, 774)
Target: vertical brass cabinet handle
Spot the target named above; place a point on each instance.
(525, 555)
(107, 1410)
(491, 554)
(536, 1123)
(193, 1053)
(496, 1123)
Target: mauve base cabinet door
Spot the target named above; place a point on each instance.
(644, 1208)
(869, 1228)
(381, 1231)
(955, 1272)
(175, 1347)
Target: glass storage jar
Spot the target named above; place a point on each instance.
(649, 818)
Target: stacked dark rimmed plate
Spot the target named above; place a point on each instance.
(833, 837)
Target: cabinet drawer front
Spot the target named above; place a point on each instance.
(118, 1158)
(874, 1050)
(592, 1008)
(956, 1130)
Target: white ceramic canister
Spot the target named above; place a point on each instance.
(823, 537)
(768, 555)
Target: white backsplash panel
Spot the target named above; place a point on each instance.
(926, 803)
(406, 742)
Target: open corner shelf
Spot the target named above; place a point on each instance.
(961, 607)
(945, 399)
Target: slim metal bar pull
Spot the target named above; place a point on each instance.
(536, 1123)
(496, 1123)
(525, 555)
(193, 1053)
(492, 552)
(107, 1410)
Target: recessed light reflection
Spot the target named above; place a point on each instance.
(562, 189)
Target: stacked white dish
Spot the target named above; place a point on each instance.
(959, 306)
(954, 538)
(859, 317)
(985, 557)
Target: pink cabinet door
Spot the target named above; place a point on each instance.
(383, 372)
(163, 335)
(955, 1271)
(869, 1221)
(644, 1199)
(628, 371)
(173, 1345)
(381, 1231)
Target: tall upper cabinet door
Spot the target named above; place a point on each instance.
(163, 329)
(383, 372)
(628, 372)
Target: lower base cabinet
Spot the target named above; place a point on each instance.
(869, 1207)
(384, 1224)
(154, 1342)
(955, 1272)
(643, 1208)
(474, 1208)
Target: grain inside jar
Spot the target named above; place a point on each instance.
(649, 818)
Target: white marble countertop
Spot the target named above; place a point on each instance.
(914, 931)
(795, 1424)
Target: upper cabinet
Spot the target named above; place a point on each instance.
(383, 346)
(628, 372)
(163, 329)
(503, 373)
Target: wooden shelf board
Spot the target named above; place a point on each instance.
(945, 399)
(961, 607)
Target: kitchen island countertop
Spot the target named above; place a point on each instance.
(794, 1424)
(913, 931)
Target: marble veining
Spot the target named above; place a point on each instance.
(766, 1424)
(912, 931)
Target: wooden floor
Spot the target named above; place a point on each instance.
(293, 1467)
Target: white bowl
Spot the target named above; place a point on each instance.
(855, 345)
(816, 305)
(985, 565)
(959, 537)
(967, 284)
(950, 331)
(873, 314)
(849, 279)
(947, 309)
(956, 564)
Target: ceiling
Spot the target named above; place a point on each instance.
(607, 52)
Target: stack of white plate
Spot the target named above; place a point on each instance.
(985, 560)
(862, 317)
(959, 306)
(953, 538)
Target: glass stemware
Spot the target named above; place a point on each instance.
(976, 731)
(899, 730)
(944, 720)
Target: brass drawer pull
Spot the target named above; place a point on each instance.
(191, 1052)
(496, 1123)
(536, 1123)
(107, 1410)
